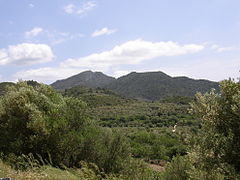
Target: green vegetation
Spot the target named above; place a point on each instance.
(95, 97)
(41, 129)
(3, 87)
(88, 133)
(216, 149)
(38, 121)
(156, 146)
(157, 85)
(147, 125)
(144, 114)
(87, 171)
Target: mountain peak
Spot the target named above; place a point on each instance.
(86, 78)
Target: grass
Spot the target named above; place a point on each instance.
(43, 173)
(87, 172)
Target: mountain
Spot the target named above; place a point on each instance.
(86, 78)
(145, 86)
(157, 85)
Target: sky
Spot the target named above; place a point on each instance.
(50, 40)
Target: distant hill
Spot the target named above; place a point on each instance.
(143, 86)
(86, 78)
(157, 85)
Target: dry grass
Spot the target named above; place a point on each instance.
(44, 173)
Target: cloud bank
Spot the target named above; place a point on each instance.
(132, 52)
(26, 54)
(128, 53)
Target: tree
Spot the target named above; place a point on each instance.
(218, 144)
(40, 121)
(37, 120)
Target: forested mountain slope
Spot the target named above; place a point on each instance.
(157, 85)
(145, 86)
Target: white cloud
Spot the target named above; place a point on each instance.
(132, 52)
(70, 8)
(84, 8)
(222, 49)
(58, 38)
(47, 74)
(103, 31)
(31, 5)
(52, 37)
(26, 54)
(34, 32)
(225, 49)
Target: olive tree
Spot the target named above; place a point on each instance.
(40, 121)
(218, 144)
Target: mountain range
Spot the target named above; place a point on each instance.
(143, 86)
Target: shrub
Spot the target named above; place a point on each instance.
(38, 121)
(216, 150)
(177, 169)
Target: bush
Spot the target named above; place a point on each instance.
(38, 121)
(177, 169)
(216, 150)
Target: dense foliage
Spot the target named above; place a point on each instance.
(217, 147)
(95, 97)
(156, 146)
(3, 86)
(40, 127)
(40, 121)
(37, 120)
(147, 125)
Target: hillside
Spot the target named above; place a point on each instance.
(143, 86)
(95, 97)
(157, 85)
(86, 78)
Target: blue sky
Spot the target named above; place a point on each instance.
(49, 40)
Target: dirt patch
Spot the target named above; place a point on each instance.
(156, 167)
